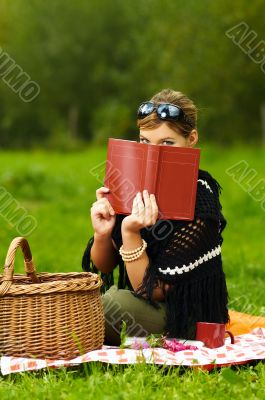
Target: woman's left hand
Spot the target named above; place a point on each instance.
(144, 213)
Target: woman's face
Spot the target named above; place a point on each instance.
(163, 135)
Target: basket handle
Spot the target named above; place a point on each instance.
(29, 266)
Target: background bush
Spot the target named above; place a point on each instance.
(96, 60)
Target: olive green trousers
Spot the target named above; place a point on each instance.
(141, 318)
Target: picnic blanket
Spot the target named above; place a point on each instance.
(247, 347)
(241, 323)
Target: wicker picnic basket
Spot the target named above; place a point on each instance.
(48, 315)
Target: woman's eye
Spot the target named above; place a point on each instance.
(143, 140)
(168, 142)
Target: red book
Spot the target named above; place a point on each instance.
(169, 172)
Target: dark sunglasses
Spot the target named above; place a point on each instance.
(165, 111)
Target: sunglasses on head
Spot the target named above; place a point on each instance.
(165, 111)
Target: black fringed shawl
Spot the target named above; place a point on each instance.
(186, 255)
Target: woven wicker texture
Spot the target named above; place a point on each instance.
(48, 315)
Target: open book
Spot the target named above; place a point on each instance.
(169, 172)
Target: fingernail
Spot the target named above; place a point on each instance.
(145, 191)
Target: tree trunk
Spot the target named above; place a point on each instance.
(73, 115)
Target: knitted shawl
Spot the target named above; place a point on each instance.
(186, 255)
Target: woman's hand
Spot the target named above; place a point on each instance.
(103, 216)
(144, 213)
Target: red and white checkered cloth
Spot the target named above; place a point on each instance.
(247, 347)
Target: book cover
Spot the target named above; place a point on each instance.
(169, 172)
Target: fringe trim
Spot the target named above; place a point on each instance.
(89, 266)
(189, 301)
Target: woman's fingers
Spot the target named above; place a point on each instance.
(101, 209)
(107, 203)
(148, 207)
(140, 204)
(100, 198)
(104, 207)
(101, 191)
(145, 207)
(154, 208)
(134, 207)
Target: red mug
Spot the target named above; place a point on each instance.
(212, 334)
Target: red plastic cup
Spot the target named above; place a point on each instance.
(212, 334)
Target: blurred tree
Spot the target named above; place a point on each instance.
(96, 61)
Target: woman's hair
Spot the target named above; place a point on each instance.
(179, 99)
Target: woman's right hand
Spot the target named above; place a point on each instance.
(103, 216)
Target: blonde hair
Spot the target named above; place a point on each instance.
(179, 99)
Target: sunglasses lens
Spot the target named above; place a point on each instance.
(166, 111)
(145, 109)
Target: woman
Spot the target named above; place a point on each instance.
(177, 279)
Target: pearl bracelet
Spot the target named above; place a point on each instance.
(134, 254)
(121, 251)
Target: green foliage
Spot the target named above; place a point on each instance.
(96, 60)
(143, 381)
(123, 334)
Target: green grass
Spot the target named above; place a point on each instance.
(57, 189)
(135, 382)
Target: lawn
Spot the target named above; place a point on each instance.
(57, 189)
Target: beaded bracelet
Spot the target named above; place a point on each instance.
(121, 251)
(131, 257)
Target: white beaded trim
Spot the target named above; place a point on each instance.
(212, 253)
(205, 184)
